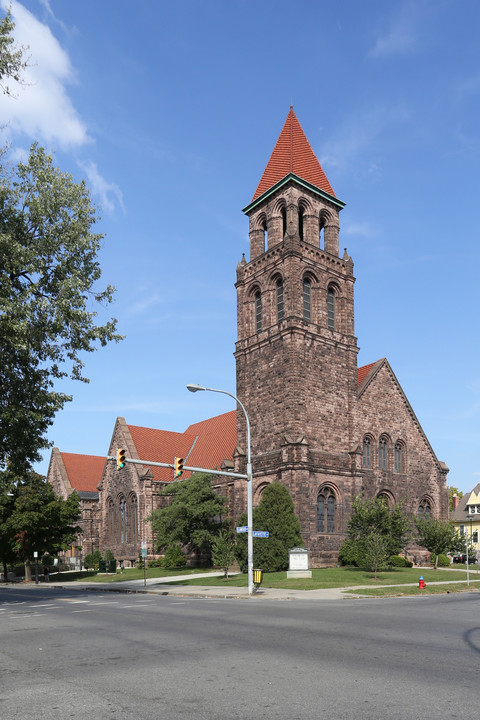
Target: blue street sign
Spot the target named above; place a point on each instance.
(260, 533)
(243, 528)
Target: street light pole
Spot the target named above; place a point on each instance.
(196, 388)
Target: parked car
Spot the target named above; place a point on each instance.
(463, 559)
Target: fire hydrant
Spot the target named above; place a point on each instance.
(421, 582)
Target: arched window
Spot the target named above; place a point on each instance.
(265, 234)
(307, 299)
(133, 518)
(425, 508)
(280, 310)
(331, 308)
(110, 521)
(398, 458)
(300, 223)
(382, 453)
(367, 457)
(122, 516)
(326, 511)
(258, 311)
(284, 222)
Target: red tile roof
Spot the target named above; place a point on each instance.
(293, 154)
(84, 471)
(362, 372)
(217, 439)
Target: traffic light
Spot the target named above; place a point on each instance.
(121, 459)
(177, 467)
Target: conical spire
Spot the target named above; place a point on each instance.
(293, 154)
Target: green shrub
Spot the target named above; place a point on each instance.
(89, 561)
(399, 561)
(174, 557)
(349, 553)
(443, 560)
(108, 556)
(155, 563)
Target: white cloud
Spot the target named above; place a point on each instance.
(106, 192)
(401, 38)
(42, 108)
(357, 142)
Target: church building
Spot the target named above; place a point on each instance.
(326, 429)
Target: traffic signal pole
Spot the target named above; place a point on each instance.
(185, 467)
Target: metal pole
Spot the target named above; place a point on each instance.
(466, 545)
(194, 388)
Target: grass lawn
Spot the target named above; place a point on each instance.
(128, 574)
(429, 590)
(335, 577)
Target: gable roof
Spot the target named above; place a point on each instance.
(84, 471)
(461, 511)
(363, 371)
(216, 441)
(293, 154)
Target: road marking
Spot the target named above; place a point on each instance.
(78, 611)
(107, 602)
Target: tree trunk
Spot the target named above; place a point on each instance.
(28, 570)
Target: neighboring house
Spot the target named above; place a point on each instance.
(466, 515)
(68, 472)
(326, 429)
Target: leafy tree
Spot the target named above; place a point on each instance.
(96, 556)
(88, 562)
(191, 517)
(439, 537)
(12, 59)
(451, 492)
(223, 551)
(376, 531)
(40, 521)
(48, 276)
(276, 514)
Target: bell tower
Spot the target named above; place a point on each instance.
(296, 353)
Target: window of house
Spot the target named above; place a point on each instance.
(382, 454)
(366, 453)
(307, 299)
(258, 311)
(425, 509)
(133, 517)
(398, 457)
(326, 511)
(475, 536)
(280, 310)
(300, 223)
(331, 309)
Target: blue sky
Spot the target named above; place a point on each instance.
(170, 112)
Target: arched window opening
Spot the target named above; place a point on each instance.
(133, 516)
(122, 506)
(331, 309)
(110, 521)
(367, 457)
(382, 454)
(284, 222)
(321, 239)
(398, 458)
(383, 496)
(300, 223)
(424, 508)
(265, 235)
(280, 309)
(307, 299)
(326, 511)
(258, 311)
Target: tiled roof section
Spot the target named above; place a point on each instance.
(293, 154)
(363, 371)
(84, 471)
(217, 439)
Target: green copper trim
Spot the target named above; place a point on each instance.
(299, 181)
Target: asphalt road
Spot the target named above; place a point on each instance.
(70, 654)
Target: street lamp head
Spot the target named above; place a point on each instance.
(194, 388)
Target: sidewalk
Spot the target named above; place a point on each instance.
(164, 586)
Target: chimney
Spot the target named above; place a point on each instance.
(455, 500)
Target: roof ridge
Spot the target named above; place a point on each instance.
(293, 154)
